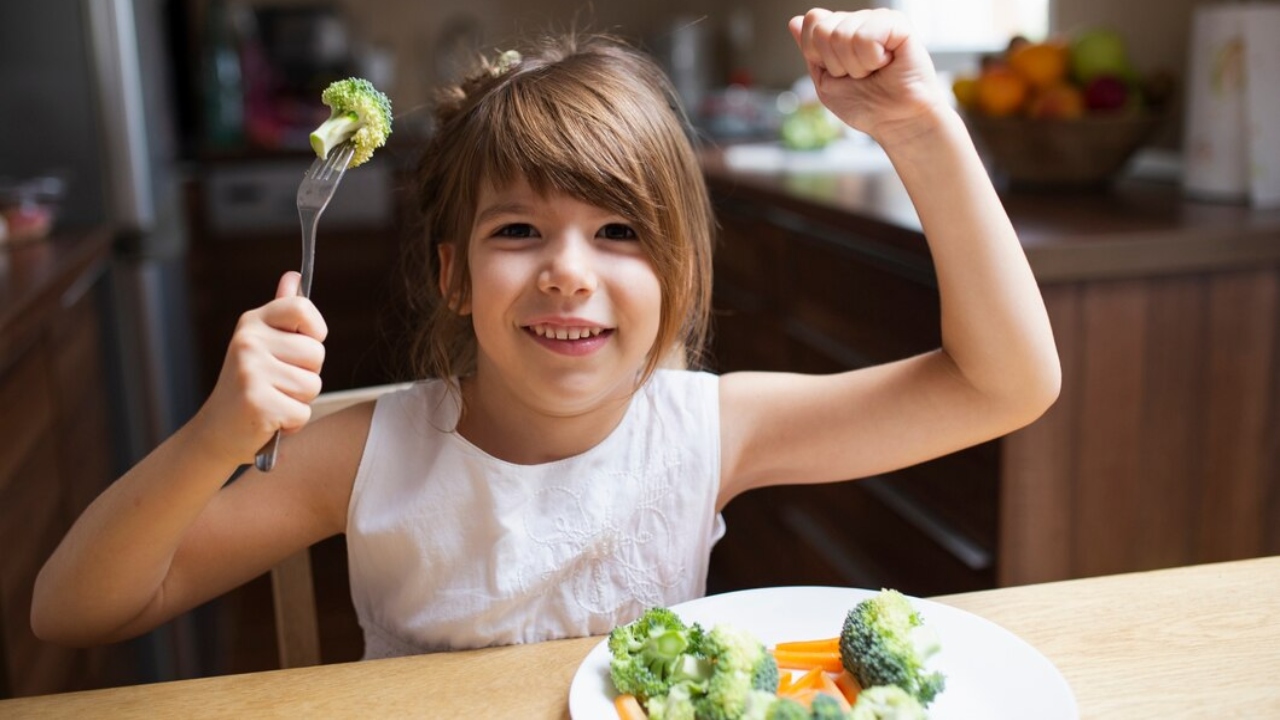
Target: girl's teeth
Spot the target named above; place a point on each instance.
(562, 333)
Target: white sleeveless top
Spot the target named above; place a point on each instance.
(450, 548)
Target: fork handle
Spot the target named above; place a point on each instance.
(265, 460)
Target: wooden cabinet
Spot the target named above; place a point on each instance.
(1162, 450)
(791, 295)
(55, 453)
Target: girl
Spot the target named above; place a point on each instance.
(558, 476)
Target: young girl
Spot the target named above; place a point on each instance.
(560, 474)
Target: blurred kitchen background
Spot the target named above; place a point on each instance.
(159, 143)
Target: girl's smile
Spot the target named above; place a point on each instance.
(570, 337)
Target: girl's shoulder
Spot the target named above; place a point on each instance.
(433, 400)
(691, 394)
(683, 386)
(682, 378)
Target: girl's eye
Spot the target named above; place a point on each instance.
(515, 230)
(617, 231)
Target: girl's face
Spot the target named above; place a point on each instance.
(564, 300)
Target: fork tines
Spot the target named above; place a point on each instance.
(336, 162)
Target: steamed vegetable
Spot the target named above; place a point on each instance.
(360, 114)
(885, 642)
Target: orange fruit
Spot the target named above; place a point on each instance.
(1041, 64)
(1001, 92)
(1060, 101)
(966, 92)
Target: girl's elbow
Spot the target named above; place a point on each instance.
(48, 620)
(48, 623)
(1038, 392)
(53, 620)
(57, 627)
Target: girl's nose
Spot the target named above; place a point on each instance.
(568, 268)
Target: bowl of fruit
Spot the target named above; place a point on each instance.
(1063, 112)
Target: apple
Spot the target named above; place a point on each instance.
(1096, 52)
(1105, 93)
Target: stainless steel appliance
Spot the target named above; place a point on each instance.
(89, 97)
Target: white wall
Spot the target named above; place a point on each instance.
(1157, 30)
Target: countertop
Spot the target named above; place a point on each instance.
(1135, 228)
(1193, 642)
(39, 276)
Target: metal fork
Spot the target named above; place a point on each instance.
(314, 194)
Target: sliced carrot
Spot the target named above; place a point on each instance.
(628, 708)
(827, 645)
(805, 696)
(807, 681)
(829, 687)
(800, 660)
(849, 686)
(784, 681)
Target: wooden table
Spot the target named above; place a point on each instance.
(1200, 641)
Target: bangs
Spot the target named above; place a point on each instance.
(568, 137)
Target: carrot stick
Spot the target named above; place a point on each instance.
(798, 660)
(827, 645)
(784, 682)
(628, 708)
(805, 696)
(807, 681)
(849, 686)
(828, 686)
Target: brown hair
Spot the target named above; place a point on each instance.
(591, 117)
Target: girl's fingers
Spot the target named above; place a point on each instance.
(279, 398)
(837, 37)
(879, 34)
(289, 414)
(296, 350)
(859, 51)
(288, 284)
(848, 44)
(802, 28)
(297, 384)
(294, 314)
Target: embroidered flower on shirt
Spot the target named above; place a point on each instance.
(603, 556)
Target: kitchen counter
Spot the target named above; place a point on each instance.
(37, 276)
(1139, 228)
(1190, 642)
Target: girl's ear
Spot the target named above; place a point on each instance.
(447, 253)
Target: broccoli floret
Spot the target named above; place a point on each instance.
(787, 709)
(654, 652)
(740, 665)
(360, 113)
(680, 672)
(886, 702)
(884, 642)
(759, 704)
(675, 705)
(825, 707)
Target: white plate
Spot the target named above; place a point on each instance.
(992, 674)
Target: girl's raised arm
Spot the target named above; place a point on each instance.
(167, 536)
(997, 369)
